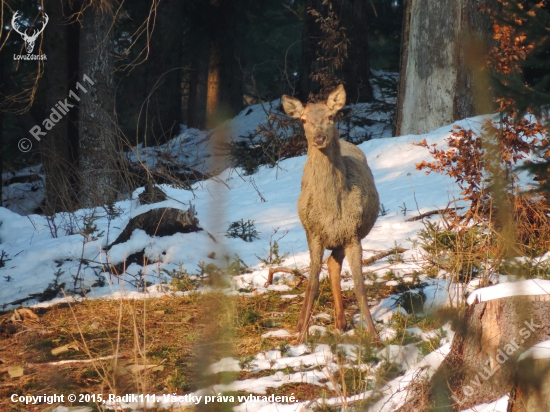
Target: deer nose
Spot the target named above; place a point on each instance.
(320, 139)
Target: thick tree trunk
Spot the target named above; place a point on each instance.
(404, 55)
(213, 88)
(164, 74)
(55, 148)
(98, 141)
(531, 390)
(2, 143)
(196, 103)
(225, 75)
(483, 363)
(73, 35)
(196, 52)
(442, 74)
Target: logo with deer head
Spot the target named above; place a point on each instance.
(29, 40)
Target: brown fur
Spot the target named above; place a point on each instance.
(338, 204)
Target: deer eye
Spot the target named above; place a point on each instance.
(330, 117)
(304, 121)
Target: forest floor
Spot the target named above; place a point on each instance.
(158, 326)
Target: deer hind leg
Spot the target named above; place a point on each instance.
(353, 253)
(316, 256)
(334, 269)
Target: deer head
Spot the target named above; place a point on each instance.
(318, 118)
(29, 40)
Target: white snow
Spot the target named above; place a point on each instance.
(540, 350)
(500, 405)
(280, 333)
(394, 392)
(529, 287)
(36, 250)
(405, 356)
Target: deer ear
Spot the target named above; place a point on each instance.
(293, 107)
(337, 99)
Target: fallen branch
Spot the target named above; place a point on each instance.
(381, 255)
(296, 272)
(63, 362)
(272, 271)
(432, 212)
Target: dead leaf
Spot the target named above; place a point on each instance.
(138, 368)
(15, 371)
(65, 348)
(121, 371)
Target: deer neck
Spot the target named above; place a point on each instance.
(328, 170)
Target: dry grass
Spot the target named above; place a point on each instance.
(175, 333)
(151, 332)
(170, 340)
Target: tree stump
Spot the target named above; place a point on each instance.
(165, 221)
(531, 390)
(483, 363)
(151, 194)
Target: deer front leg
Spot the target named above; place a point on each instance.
(334, 270)
(353, 253)
(316, 257)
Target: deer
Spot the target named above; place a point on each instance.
(338, 204)
(29, 40)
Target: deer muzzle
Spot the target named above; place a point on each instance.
(320, 140)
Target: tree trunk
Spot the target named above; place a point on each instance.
(483, 362)
(196, 103)
(356, 68)
(404, 55)
(73, 34)
(98, 141)
(443, 76)
(311, 35)
(531, 390)
(2, 143)
(164, 74)
(55, 149)
(196, 52)
(225, 77)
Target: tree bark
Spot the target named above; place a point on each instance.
(531, 391)
(164, 74)
(443, 76)
(404, 55)
(2, 54)
(98, 141)
(226, 60)
(196, 104)
(483, 362)
(55, 148)
(196, 52)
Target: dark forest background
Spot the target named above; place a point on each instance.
(161, 63)
(140, 70)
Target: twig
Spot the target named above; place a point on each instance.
(381, 255)
(272, 271)
(63, 362)
(432, 212)
(297, 272)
